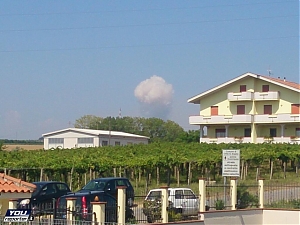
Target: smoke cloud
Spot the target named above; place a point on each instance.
(155, 97)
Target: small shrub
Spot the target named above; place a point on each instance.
(220, 205)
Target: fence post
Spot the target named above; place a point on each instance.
(121, 204)
(164, 204)
(202, 194)
(261, 192)
(70, 208)
(233, 185)
(99, 212)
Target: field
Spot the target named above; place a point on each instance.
(10, 147)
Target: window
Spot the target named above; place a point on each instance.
(214, 110)
(117, 143)
(268, 109)
(112, 185)
(240, 109)
(298, 132)
(179, 194)
(247, 132)
(56, 140)
(129, 143)
(265, 88)
(154, 195)
(242, 88)
(120, 183)
(273, 132)
(104, 143)
(188, 194)
(49, 189)
(62, 187)
(220, 133)
(85, 140)
(295, 109)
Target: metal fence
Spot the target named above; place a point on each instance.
(218, 197)
(278, 195)
(181, 208)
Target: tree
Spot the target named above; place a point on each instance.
(155, 128)
(88, 122)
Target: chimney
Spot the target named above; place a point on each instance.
(284, 79)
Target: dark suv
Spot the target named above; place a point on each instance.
(83, 210)
(109, 185)
(43, 198)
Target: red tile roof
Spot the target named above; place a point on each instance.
(11, 184)
(285, 82)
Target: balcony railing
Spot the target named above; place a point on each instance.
(270, 95)
(240, 96)
(280, 118)
(230, 119)
(248, 140)
(244, 119)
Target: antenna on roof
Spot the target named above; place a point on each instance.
(269, 71)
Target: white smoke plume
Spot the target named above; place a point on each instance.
(155, 96)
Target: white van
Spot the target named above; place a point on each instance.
(183, 200)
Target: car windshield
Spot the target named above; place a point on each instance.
(38, 188)
(94, 185)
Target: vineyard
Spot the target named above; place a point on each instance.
(161, 162)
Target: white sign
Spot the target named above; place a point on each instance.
(231, 163)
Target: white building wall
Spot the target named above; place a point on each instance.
(71, 140)
(123, 140)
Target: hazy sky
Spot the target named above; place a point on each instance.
(61, 60)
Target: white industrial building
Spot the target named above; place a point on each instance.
(78, 138)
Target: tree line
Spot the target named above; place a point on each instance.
(157, 129)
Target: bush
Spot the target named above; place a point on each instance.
(245, 199)
(220, 205)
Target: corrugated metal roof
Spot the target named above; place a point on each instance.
(97, 132)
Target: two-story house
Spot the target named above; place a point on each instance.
(250, 108)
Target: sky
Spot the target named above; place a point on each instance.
(61, 60)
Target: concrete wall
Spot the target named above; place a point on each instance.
(237, 217)
(252, 217)
(281, 217)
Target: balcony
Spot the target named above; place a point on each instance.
(240, 96)
(230, 119)
(280, 118)
(270, 95)
(226, 140)
(248, 140)
(275, 140)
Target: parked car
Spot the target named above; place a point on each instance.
(109, 185)
(182, 201)
(43, 198)
(83, 210)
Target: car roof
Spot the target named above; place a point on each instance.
(110, 178)
(159, 189)
(79, 194)
(47, 182)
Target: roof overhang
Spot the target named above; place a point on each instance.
(196, 99)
